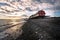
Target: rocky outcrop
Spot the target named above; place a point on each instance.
(41, 29)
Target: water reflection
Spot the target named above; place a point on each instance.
(13, 21)
(13, 29)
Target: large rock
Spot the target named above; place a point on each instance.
(41, 29)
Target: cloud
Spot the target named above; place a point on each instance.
(45, 1)
(50, 6)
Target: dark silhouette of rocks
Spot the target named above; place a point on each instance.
(40, 13)
(47, 28)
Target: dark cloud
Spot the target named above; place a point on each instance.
(57, 8)
(37, 1)
(29, 9)
(45, 1)
(53, 8)
(55, 3)
(3, 4)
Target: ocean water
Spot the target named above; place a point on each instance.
(4, 21)
(10, 28)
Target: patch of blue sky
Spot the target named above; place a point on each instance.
(57, 14)
(3, 4)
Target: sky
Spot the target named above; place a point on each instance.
(30, 7)
(51, 7)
